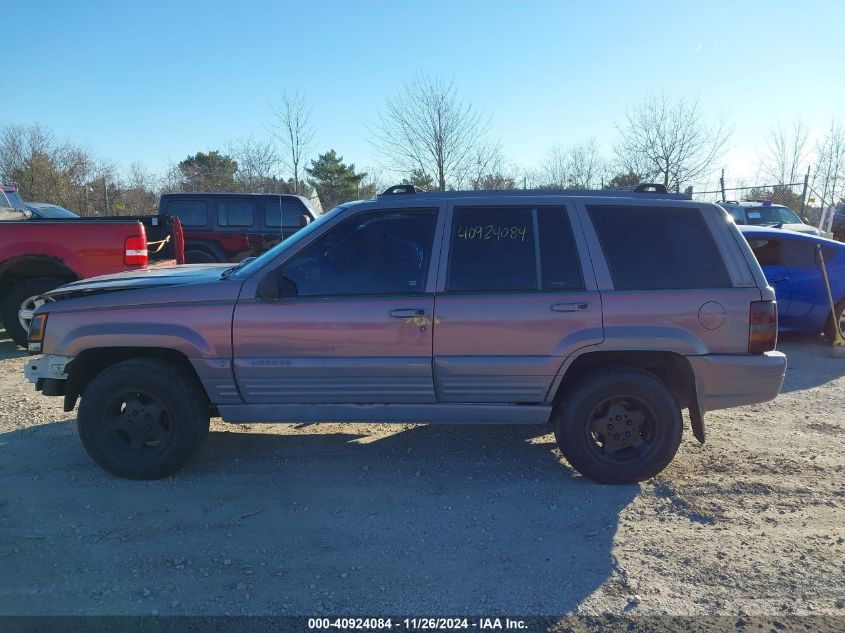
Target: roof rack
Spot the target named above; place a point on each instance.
(644, 190)
(402, 189)
(644, 187)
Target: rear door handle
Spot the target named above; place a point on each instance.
(407, 313)
(570, 307)
(779, 279)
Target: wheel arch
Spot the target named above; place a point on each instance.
(211, 247)
(29, 266)
(672, 368)
(91, 362)
(827, 329)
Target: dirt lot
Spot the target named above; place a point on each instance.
(427, 520)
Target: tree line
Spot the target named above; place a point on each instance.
(428, 135)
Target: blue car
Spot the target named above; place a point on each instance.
(792, 267)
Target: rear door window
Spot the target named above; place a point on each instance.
(190, 212)
(236, 213)
(512, 249)
(658, 248)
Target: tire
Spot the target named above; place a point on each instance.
(840, 318)
(200, 257)
(640, 404)
(143, 418)
(22, 293)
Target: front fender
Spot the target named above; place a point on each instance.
(180, 338)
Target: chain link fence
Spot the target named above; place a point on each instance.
(799, 196)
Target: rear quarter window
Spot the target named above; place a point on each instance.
(658, 248)
(284, 212)
(189, 212)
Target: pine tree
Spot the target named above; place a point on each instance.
(208, 172)
(335, 181)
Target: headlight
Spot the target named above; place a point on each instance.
(37, 327)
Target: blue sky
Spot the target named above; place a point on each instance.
(157, 80)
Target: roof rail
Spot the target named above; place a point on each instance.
(644, 187)
(645, 190)
(402, 189)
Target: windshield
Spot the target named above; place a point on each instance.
(769, 216)
(14, 200)
(51, 211)
(274, 252)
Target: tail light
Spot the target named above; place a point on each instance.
(762, 327)
(179, 240)
(135, 251)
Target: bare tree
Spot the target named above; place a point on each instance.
(787, 152)
(575, 167)
(135, 191)
(291, 126)
(488, 169)
(669, 141)
(171, 179)
(46, 169)
(372, 184)
(420, 179)
(428, 127)
(830, 169)
(257, 164)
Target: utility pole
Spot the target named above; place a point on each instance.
(106, 195)
(722, 185)
(804, 193)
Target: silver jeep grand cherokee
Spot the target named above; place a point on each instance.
(604, 313)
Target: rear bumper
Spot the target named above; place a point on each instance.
(724, 381)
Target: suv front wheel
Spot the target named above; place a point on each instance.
(143, 418)
(619, 426)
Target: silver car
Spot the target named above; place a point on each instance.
(603, 313)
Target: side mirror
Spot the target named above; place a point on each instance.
(806, 219)
(268, 287)
(304, 220)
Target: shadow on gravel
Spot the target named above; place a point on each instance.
(809, 363)
(431, 520)
(8, 348)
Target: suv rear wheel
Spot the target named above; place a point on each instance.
(197, 256)
(619, 426)
(143, 418)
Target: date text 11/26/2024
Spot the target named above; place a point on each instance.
(417, 624)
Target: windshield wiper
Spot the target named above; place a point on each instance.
(237, 266)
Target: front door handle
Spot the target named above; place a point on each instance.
(407, 313)
(570, 307)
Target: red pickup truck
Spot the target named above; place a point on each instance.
(37, 255)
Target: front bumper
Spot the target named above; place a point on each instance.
(48, 373)
(724, 380)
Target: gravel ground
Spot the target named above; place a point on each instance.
(374, 519)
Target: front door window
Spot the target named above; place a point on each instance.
(370, 254)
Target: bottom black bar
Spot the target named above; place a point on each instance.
(528, 624)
